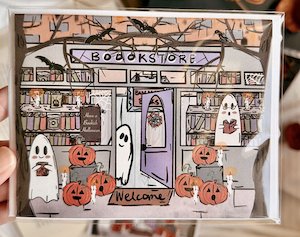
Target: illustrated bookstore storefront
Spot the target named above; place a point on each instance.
(146, 124)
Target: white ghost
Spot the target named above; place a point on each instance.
(124, 153)
(43, 170)
(228, 126)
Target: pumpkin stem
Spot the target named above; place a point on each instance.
(79, 139)
(99, 166)
(188, 167)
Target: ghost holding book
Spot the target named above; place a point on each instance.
(228, 126)
(43, 170)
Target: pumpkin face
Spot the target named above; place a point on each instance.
(184, 184)
(82, 155)
(105, 183)
(203, 155)
(213, 193)
(76, 194)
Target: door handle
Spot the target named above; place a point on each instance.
(143, 147)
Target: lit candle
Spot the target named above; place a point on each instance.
(93, 190)
(220, 156)
(64, 177)
(195, 189)
(207, 103)
(229, 179)
(37, 101)
(247, 103)
(78, 100)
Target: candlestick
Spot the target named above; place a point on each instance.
(207, 103)
(196, 189)
(220, 157)
(247, 104)
(93, 189)
(64, 177)
(37, 101)
(78, 100)
(229, 179)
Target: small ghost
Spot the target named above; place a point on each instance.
(124, 153)
(196, 189)
(93, 190)
(220, 157)
(43, 170)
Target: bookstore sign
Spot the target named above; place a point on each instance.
(146, 57)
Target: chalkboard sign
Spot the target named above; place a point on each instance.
(90, 123)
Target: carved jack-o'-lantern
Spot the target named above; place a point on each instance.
(105, 183)
(76, 194)
(82, 155)
(213, 193)
(184, 184)
(203, 155)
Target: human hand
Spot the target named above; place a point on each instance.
(7, 163)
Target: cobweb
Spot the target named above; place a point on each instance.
(102, 98)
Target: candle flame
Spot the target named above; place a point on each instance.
(230, 173)
(65, 170)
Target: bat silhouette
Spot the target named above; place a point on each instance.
(136, 22)
(100, 36)
(139, 23)
(51, 65)
(150, 29)
(142, 26)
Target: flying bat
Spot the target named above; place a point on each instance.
(142, 26)
(134, 21)
(150, 29)
(51, 65)
(139, 23)
(100, 36)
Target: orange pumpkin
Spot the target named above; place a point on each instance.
(184, 184)
(213, 193)
(105, 183)
(82, 155)
(76, 194)
(204, 155)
